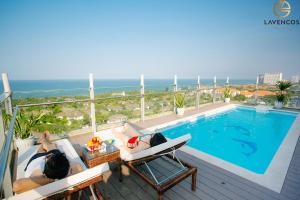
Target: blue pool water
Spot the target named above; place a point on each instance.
(240, 136)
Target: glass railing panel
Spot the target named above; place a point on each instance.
(56, 115)
(157, 102)
(206, 97)
(190, 97)
(115, 108)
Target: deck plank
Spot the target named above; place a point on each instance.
(232, 182)
(205, 192)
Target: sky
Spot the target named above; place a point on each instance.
(68, 39)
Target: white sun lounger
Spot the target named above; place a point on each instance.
(154, 150)
(71, 183)
(142, 159)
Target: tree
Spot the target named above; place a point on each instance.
(283, 85)
(283, 96)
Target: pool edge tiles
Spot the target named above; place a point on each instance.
(190, 118)
(274, 176)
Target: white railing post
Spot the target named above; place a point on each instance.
(175, 90)
(227, 82)
(2, 133)
(7, 183)
(198, 93)
(142, 98)
(92, 97)
(256, 88)
(214, 90)
(7, 90)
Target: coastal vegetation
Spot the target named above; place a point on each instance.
(60, 118)
(239, 97)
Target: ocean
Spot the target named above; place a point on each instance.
(50, 88)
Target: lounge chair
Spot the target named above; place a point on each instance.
(145, 163)
(64, 187)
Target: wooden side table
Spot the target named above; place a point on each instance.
(97, 158)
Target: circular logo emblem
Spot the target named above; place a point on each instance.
(282, 9)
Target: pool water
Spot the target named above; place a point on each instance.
(240, 136)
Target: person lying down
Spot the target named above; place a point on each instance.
(46, 166)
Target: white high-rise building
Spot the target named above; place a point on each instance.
(295, 79)
(270, 79)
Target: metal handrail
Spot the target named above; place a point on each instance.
(97, 99)
(118, 97)
(6, 148)
(53, 102)
(77, 101)
(4, 96)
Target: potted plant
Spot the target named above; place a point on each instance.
(24, 126)
(279, 101)
(179, 102)
(282, 97)
(227, 95)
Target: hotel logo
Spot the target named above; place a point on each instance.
(282, 10)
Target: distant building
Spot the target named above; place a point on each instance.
(71, 116)
(270, 79)
(119, 94)
(260, 93)
(295, 79)
(233, 91)
(207, 91)
(118, 118)
(247, 94)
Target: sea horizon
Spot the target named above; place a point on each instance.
(80, 87)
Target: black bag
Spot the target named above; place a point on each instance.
(156, 139)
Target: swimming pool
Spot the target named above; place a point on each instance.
(241, 135)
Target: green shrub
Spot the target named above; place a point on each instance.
(283, 85)
(283, 96)
(179, 100)
(25, 124)
(239, 97)
(227, 93)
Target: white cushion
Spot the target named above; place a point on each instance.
(60, 185)
(63, 145)
(153, 150)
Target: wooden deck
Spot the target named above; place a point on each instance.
(212, 181)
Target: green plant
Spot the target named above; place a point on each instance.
(227, 93)
(280, 97)
(6, 120)
(179, 100)
(283, 85)
(25, 124)
(239, 97)
(283, 96)
(49, 122)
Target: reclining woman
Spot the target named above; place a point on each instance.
(46, 166)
